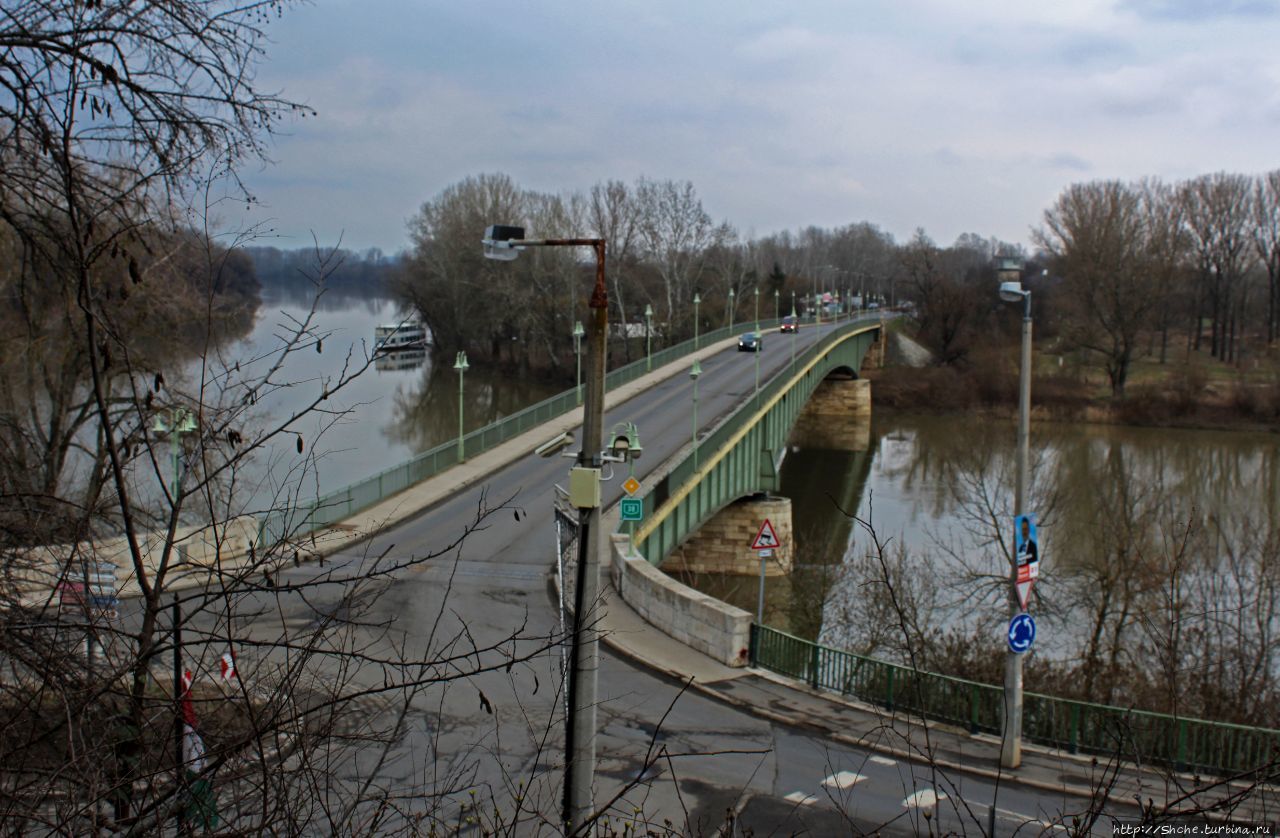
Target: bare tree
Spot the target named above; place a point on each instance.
(1219, 216)
(1097, 233)
(1266, 239)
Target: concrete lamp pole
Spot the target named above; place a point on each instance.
(460, 364)
(697, 301)
(731, 304)
(505, 243)
(648, 338)
(578, 332)
(1011, 743)
(694, 372)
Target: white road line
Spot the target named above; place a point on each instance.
(843, 780)
(801, 797)
(923, 799)
(882, 760)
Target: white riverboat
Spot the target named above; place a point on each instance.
(398, 337)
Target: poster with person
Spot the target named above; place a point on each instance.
(1025, 541)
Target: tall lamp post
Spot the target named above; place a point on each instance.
(731, 302)
(460, 364)
(504, 243)
(578, 332)
(648, 338)
(776, 304)
(1011, 743)
(697, 301)
(694, 372)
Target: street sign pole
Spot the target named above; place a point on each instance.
(760, 604)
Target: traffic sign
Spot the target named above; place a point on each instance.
(766, 538)
(1027, 575)
(632, 509)
(1022, 633)
(631, 486)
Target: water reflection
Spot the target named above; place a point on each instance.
(939, 489)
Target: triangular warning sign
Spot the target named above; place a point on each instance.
(766, 539)
(1024, 592)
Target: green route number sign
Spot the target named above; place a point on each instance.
(632, 509)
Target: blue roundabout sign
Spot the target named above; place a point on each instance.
(1022, 633)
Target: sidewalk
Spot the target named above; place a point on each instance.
(856, 724)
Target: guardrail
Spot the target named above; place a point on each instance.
(338, 505)
(1078, 726)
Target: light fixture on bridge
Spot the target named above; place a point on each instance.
(624, 444)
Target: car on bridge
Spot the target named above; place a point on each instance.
(750, 342)
(790, 323)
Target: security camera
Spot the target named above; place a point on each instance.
(555, 444)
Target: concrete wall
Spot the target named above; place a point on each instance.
(198, 552)
(701, 622)
(723, 544)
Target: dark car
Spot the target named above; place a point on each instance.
(750, 342)
(790, 323)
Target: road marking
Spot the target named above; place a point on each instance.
(1018, 817)
(843, 780)
(923, 799)
(882, 761)
(802, 798)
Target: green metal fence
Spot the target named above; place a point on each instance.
(301, 519)
(1077, 726)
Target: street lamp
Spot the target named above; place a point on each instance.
(505, 243)
(578, 332)
(697, 301)
(648, 338)
(731, 296)
(460, 364)
(180, 422)
(694, 372)
(776, 304)
(1011, 743)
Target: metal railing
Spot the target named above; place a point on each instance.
(1078, 726)
(299, 520)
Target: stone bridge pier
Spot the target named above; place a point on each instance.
(837, 416)
(722, 545)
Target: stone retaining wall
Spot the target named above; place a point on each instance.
(720, 631)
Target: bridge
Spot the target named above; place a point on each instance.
(742, 454)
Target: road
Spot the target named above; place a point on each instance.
(496, 736)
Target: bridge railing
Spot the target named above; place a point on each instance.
(301, 519)
(1078, 726)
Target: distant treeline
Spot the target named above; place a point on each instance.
(344, 272)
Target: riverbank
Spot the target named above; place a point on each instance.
(1183, 396)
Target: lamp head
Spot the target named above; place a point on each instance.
(695, 370)
(578, 331)
(1011, 292)
(697, 299)
(625, 442)
(497, 242)
(460, 363)
(648, 310)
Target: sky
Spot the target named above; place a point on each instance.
(950, 116)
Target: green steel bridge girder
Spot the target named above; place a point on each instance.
(742, 454)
